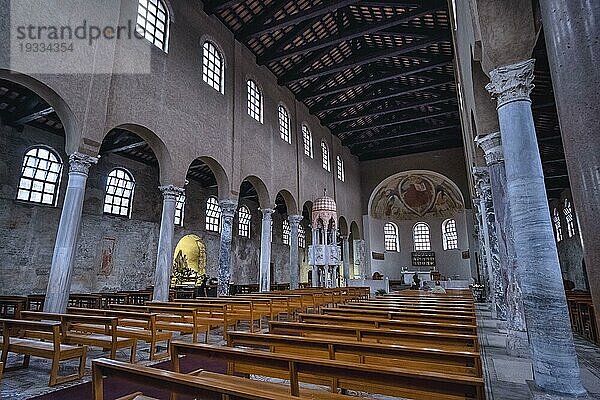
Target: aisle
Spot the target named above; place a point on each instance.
(505, 375)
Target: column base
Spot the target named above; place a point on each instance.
(517, 344)
(537, 393)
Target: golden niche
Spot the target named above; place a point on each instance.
(189, 261)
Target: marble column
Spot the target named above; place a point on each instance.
(483, 267)
(294, 221)
(61, 272)
(228, 208)
(164, 255)
(555, 365)
(316, 279)
(517, 343)
(571, 33)
(264, 276)
(486, 207)
(346, 259)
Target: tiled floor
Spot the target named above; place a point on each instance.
(505, 375)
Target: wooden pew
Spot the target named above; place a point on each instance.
(135, 325)
(424, 338)
(402, 308)
(402, 315)
(413, 357)
(14, 341)
(11, 306)
(200, 385)
(236, 310)
(388, 323)
(74, 330)
(391, 381)
(173, 319)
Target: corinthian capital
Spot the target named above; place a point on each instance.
(294, 220)
(512, 82)
(171, 192)
(491, 144)
(267, 213)
(228, 207)
(80, 163)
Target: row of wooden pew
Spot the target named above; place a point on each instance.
(61, 337)
(407, 345)
(582, 313)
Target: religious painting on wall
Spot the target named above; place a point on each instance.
(189, 263)
(412, 195)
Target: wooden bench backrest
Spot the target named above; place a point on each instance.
(18, 328)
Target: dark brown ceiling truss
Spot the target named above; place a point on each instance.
(378, 74)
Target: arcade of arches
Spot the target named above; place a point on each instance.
(296, 144)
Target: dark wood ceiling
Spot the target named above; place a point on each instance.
(378, 74)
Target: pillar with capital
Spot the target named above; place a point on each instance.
(517, 343)
(228, 208)
(61, 272)
(490, 237)
(264, 276)
(164, 254)
(294, 221)
(555, 365)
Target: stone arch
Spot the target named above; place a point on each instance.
(343, 226)
(354, 231)
(264, 198)
(223, 183)
(290, 201)
(63, 110)
(160, 150)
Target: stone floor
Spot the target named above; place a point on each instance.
(505, 375)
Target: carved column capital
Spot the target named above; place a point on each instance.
(512, 82)
(491, 144)
(171, 192)
(267, 213)
(294, 220)
(228, 207)
(80, 163)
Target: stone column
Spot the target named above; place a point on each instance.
(346, 258)
(164, 255)
(571, 33)
(316, 282)
(294, 221)
(517, 343)
(61, 272)
(228, 208)
(483, 267)
(264, 276)
(486, 207)
(554, 359)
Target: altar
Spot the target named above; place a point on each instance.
(407, 276)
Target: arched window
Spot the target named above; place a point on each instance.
(40, 176)
(180, 209)
(307, 141)
(119, 193)
(244, 217)
(557, 227)
(301, 237)
(213, 215)
(284, 124)
(568, 211)
(153, 22)
(449, 235)
(286, 232)
(421, 237)
(255, 101)
(341, 172)
(213, 71)
(390, 236)
(325, 154)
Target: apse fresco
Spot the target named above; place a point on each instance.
(410, 195)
